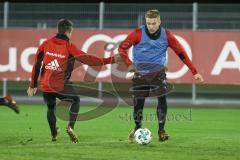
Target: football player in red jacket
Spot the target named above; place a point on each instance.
(54, 62)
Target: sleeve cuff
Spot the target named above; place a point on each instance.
(109, 60)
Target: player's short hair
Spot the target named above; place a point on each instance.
(64, 25)
(153, 13)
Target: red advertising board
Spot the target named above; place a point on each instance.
(215, 54)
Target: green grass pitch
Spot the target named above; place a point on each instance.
(197, 133)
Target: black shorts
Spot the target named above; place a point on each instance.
(67, 95)
(150, 85)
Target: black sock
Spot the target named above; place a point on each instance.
(74, 111)
(161, 112)
(52, 120)
(138, 111)
(50, 100)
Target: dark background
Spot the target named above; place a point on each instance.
(123, 1)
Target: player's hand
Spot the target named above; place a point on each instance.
(31, 91)
(131, 71)
(130, 75)
(198, 77)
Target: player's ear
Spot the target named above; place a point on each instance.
(159, 21)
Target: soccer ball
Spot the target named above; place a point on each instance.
(143, 136)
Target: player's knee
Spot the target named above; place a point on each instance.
(75, 105)
(76, 100)
(51, 106)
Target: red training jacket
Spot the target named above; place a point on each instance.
(53, 58)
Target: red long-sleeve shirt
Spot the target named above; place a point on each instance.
(55, 57)
(135, 37)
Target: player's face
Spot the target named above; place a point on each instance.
(153, 24)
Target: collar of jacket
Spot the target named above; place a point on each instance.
(62, 36)
(155, 35)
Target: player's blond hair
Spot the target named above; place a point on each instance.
(153, 13)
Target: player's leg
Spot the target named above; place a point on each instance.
(138, 112)
(140, 91)
(137, 116)
(162, 114)
(9, 102)
(74, 109)
(50, 100)
(73, 113)
(160, 80)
